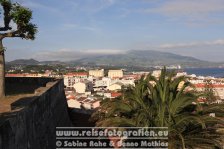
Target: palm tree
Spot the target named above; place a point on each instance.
(163, 102)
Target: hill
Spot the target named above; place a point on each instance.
(132, 58)
(33, 62)
(145, 58)
(23, 62)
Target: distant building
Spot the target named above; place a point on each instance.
(124, 82)
(83, 102)
(72, 103)
(77, 74)
(115, 86)
(101, 84)
(133, 76)
(24, 75)
(80, 87)
(115, 94)
(115, 73)
(218, 89)
(83, 87)
(91, 104)
(96, 73)
(108, 94)
(156, 73)
(71, 78)
(104, 82)
(179, 74)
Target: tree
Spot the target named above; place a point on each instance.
(19, 16)
(164, 103)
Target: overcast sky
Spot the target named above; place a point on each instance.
(72, 28)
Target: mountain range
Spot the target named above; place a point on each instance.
(32, 62)
(143, 58)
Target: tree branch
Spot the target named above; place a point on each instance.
(12, 34)
(5, 28)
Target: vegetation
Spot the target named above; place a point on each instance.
(209, 94)
(164, 102)
(13, 13)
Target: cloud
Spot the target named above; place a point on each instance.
(70, 25)
(193, 11)
(103, 51)
(62, 54)
(71, 54)
(190, 7)
(73, 26)
(35, 5)
(91, 6)
(219, 42)
(204, 50)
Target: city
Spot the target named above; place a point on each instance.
(90, 87)
(111, 74)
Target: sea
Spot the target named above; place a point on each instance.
(213, 72)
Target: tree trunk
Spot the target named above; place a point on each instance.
(2, 71)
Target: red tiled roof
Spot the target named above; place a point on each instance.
(135, 76)
(201, 100)
(202, 85)
(77, 74)
(115, 94)
(19, 74)
(70, 97)
(15, 75)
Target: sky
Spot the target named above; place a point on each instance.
(70, 29)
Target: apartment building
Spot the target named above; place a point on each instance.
(71, 78)
(96, 73)
(115, 73)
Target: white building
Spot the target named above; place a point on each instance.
(72, 103)
(115, 73)
(218, 89)
(96, 73)
(156, 73)
(83, 102)
(80, 87)
(83, 87)
(71, 78)
(179, 74)
(124, 82)
(115, 86)
(102, 83)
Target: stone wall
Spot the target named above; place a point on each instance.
(21, 85)
(33, 125)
